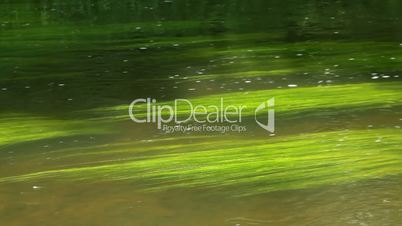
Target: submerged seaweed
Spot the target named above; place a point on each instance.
(294, 162)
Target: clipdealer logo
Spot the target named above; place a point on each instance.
(183, 115)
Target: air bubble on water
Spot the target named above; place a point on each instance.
(176, 45)
(336, 32)
(198, 81)
(174, 87)
(138, 28)
(328, 81)
(176, 75)
(352, 59)
(69, 99)
(375, 77)
(277, 57)
(199, 72)
(143, 48)
(292, 85)
(191, 89)
(247, 81)
(27, 87)
(397, 127)
(299, 54)
(124, 72)
(385, 76)
(125, 61)
(378, 140)
(396, 76)
(35, 187)
(171, 77)
(61, 84)
(4, 89)
(392, 58)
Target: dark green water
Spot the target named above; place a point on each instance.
(70, 155)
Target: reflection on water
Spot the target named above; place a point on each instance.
(69, 153)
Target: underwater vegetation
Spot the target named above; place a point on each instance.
(17, 128)
(88, 70)
(290, 102)
(71, 155)
(257, 166)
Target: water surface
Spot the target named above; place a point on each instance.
(69, 153)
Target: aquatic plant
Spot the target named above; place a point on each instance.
(290, 102)
(266, 165)
(16, 128)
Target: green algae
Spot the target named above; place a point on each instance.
(290, 102)
(17, 128)
(283, 163)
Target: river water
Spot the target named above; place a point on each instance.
(71, 155)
